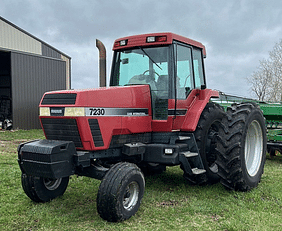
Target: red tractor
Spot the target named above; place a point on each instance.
(157, 112)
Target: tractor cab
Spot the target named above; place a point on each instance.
(170, 64)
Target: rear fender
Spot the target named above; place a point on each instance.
(196, 108)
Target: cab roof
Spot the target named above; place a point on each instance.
(154, 39)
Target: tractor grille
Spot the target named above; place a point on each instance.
(96, 132)
(62, 129)
(59, 99)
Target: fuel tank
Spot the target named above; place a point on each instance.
(95, 119)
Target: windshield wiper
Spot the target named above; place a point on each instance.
(149, 57)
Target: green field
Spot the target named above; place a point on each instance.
(169, 203)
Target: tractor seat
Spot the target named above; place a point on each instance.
(141, 79)
(162, 86)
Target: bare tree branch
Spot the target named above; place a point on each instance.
(266, 81)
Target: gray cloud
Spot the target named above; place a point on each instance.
(236, 33)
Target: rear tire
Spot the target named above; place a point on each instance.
(41, 189)
(242, 147)
(120, 192)
(206, 138)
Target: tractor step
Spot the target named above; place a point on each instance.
(188, 154)
(187, 162)
(198, 171)
(190, 159)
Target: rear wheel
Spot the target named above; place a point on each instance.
(242, 147)
(41, 189)
(120, 192)
(206, 138)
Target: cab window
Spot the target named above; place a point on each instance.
(198, 68)
(143, 66)
(184, 77)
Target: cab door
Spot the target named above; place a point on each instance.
(189, 76)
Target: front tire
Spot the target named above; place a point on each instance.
(41, 189)
(120, 192)
(242, 147)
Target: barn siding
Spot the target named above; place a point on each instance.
(50, 52)
(13, 39)
(32, 76)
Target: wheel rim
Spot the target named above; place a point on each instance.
(131, 195)
(52, 184)
(253, 148)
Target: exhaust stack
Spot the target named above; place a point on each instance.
(102, 63)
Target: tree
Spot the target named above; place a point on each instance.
(266, 81)
(259, 81)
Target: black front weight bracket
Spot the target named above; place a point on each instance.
(47, 158)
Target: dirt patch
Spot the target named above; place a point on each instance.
(168, 203)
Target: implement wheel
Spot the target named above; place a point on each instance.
(120, 192)
(41, 189)
(242, 147)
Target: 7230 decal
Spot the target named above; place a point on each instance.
(96, 111)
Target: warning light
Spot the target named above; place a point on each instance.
(161, 39)
(121, 43)
(152, 39)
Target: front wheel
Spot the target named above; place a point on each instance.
(120, 192)
(242, 147)
(41, 189)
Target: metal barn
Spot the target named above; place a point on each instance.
(28, 68)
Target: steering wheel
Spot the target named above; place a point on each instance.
(153, 72)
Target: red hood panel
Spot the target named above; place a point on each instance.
(113, 97)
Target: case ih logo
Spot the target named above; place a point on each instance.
(57, 111)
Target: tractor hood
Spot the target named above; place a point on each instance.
(137, 96)
(90, 118)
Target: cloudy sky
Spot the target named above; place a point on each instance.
(236, 33)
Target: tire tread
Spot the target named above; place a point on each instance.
(108, 205)
(230, 146)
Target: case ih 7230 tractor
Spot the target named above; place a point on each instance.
(157, 112)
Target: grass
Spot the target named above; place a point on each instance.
(169, 203)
